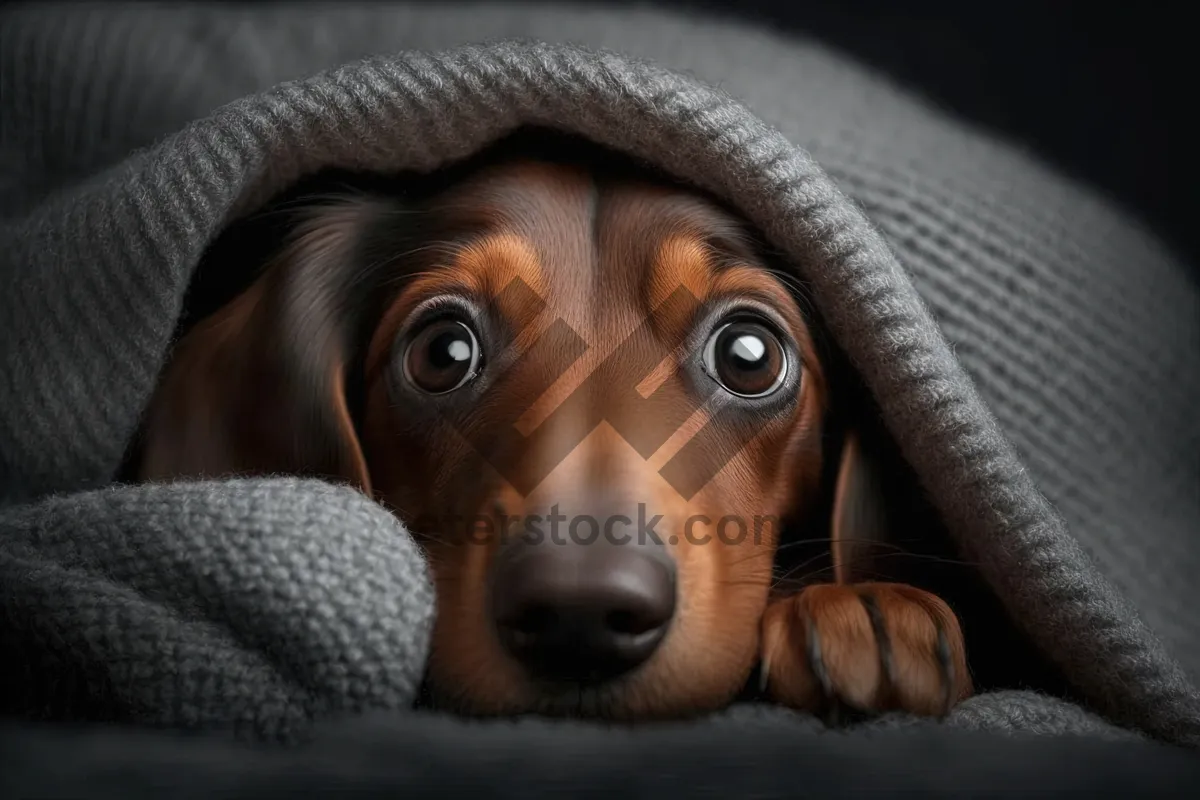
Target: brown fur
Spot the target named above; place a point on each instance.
(260, 387)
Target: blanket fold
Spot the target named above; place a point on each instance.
(255, 605)
(1023, 339)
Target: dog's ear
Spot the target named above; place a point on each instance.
(859, 517)
(259, 387)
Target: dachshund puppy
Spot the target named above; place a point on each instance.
(596, 405)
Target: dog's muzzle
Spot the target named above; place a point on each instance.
(582, 612)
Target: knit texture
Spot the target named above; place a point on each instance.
(1032, 348)
(256, 605)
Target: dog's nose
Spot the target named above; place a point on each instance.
(582, 612)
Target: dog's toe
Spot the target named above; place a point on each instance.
(844, 651)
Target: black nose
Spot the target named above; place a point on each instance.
(582, 612)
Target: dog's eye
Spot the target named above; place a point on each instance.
(442, 357)
(747, 358)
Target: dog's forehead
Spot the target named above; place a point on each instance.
(594, 246)
(554, 204)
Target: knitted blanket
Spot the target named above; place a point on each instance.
(1032, 349)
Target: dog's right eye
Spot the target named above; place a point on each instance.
(747, 358)
(442, 357)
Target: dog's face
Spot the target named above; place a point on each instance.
(588, 397)
(673, 322)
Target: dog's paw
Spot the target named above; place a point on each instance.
(864, 648)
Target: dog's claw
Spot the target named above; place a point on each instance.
(882, 639)
(946, 670)
(836, 712)
(816, 663)
(832, 706)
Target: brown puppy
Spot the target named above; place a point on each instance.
(594, 404)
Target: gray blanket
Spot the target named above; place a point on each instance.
(1034, 351)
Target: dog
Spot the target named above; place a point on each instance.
(546, 335)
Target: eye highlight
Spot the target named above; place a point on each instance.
(747, 358)
(443, 356)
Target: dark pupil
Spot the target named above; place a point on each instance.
(748, 352)
(449, 349)
(441, 357)
(749, 359)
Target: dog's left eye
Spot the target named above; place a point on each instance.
(747, 358)
(443, 356)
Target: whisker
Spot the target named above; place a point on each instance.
(797, 568)
(764, 552)
(801, 290)
(935, 559)
(828, 539)
(448, 250)
(807, 576)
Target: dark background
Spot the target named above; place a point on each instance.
(1105, 92)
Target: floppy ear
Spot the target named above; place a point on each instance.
(259, 386)
(860, 519)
